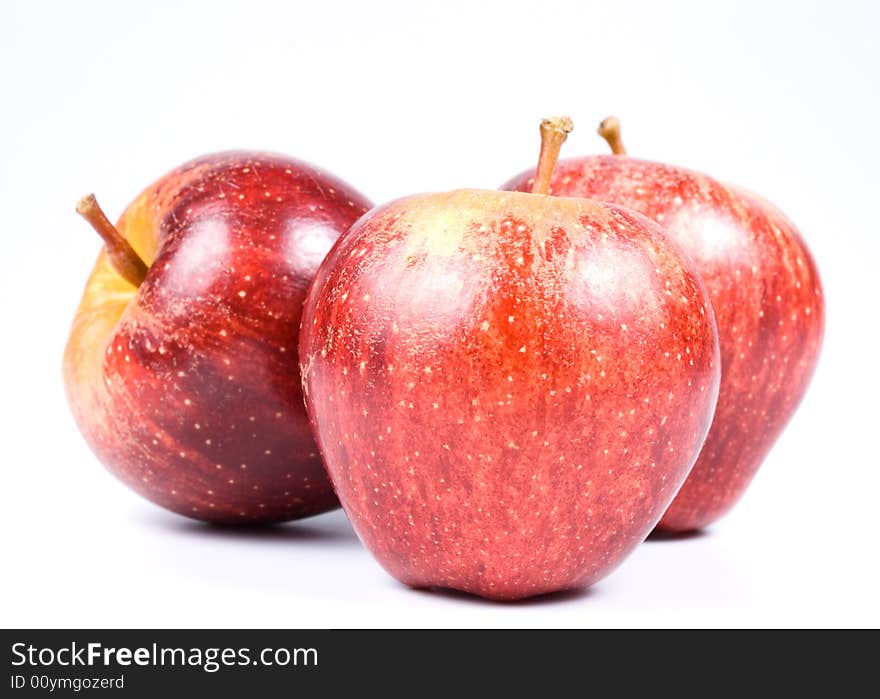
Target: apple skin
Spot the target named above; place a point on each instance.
(767, 299)
(507, 389)
(187, 388)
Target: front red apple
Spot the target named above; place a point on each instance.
(765, 292)
(507, 389)
(187, 386)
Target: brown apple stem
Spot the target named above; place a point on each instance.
(609, 129)
(554, 131)
(122, 256)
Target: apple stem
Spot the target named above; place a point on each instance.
(122, 256)
(554, 131)
(609, 129)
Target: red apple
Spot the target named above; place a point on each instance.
(767, 298)
(507, 389)
(181, 368)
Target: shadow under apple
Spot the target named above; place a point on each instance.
(331, 528)
(561, 597)
(658, 535)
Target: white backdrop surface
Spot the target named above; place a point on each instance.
(400, 97)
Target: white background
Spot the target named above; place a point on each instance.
(399, 97)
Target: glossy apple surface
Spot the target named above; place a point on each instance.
(187, 387)
(507, 389)
(767, 299)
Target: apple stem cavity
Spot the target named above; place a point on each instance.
(122, 256)
(554, 131)
(609, 129)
